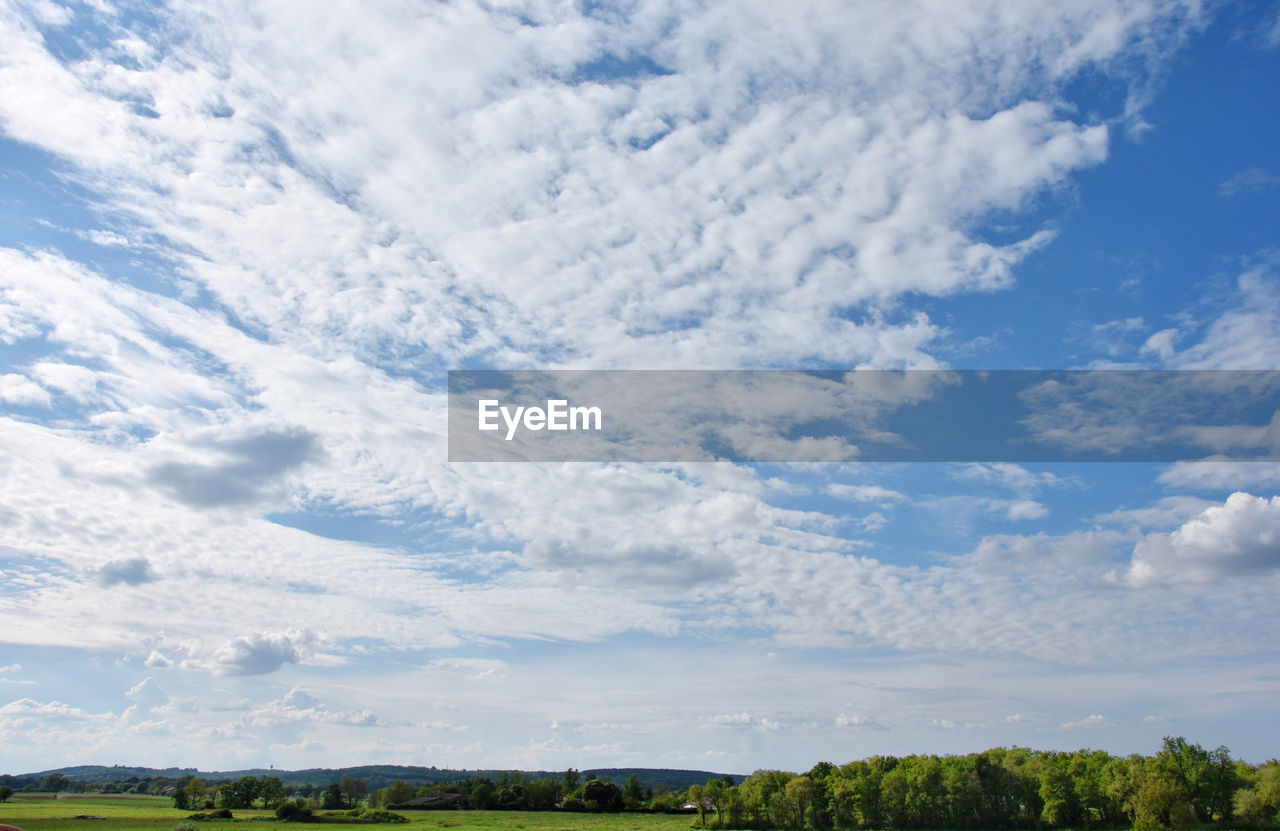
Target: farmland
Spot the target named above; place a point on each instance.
(129, 812)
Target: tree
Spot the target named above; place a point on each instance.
(715, 793)
(196, 794)
(240, 793)
(632, 794)
(600, 795)
(570, 780)
(1258, 804)
(482, 796)
(5, 793)
(54, 782)
(801, 792)
(270, 791)
(1186, 764)
(396, 793)
(354, 789)
(1161, 806)
(332, 799)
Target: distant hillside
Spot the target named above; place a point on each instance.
(378, 776)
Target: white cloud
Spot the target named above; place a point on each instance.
(1238, 538)
(131, 571)
(1090, 722)
(262, 652)
(1221, 475)
(348, 201)
(1245, 334)
(1246, 181)
(843, 720)
(475, 669)
(864, 493)
(19, 389)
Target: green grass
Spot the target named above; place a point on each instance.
(130, 812)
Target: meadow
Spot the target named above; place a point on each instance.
(128, 812)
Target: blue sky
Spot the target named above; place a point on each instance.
(240, 250)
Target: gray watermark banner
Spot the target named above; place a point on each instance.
(863, 415)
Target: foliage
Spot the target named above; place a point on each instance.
(293, 810)
(375, 815)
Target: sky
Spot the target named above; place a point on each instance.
(242, 245)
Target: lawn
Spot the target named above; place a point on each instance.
(154, 813)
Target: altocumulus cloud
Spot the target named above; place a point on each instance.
(351, 199)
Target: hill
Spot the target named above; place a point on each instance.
(377, 776)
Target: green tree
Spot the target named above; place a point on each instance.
(396, 793)
(196, 794)
(1058, 794)
(270, 790)
(1162, 806)
(5, 793)
(600, 795)
(800, 793)
(482, 796)
(570, 780)
(332, 798)
(354, 789)
(240, 793)
(54, 782)
(1257, 804)
(715, 792)
(1186, 764)
(633, 794)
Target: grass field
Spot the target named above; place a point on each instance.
(154, 813)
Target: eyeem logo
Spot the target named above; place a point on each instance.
(557, 415)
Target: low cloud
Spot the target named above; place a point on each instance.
(1241, 536)
(474, 668)
(262, 653)
(1091, 721)
(864, 493)
(843, 720)
(133, 571)
(252, 465)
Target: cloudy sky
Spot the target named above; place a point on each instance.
(241, 245)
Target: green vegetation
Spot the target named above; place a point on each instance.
(1181, 788)
(42, 812)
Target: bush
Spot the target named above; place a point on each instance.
(374, 815)
(293, 810)
(221, 813)
(185, 825)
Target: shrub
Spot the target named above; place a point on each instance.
(374, 815)
(293, 810)
(185, 825)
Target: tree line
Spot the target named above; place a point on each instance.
(1181, 787)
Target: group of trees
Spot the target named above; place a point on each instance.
(516, 791)
(1181, 787)
(248, 791)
